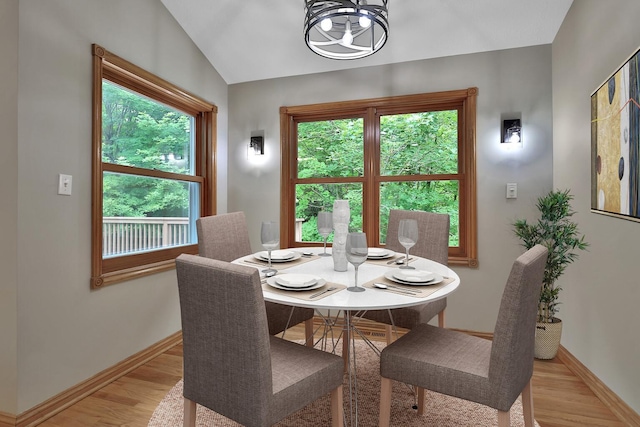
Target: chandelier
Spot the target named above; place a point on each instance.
(346, 29)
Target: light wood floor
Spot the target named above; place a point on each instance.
(560, 398)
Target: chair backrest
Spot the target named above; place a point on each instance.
(512, 349)
(224, 237)
(227, 361)
(433, 234)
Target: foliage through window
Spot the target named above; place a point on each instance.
(413, 152)
(152, 170)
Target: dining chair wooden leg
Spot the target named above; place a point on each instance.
(504, 419)
(527, 406)
(308, 332)
(420, 400)
(337, 408)
(346, 341)
(189, 419)
(441, 319)
(385, 402)
(388, 330)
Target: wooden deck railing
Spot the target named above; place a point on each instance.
(122, 235)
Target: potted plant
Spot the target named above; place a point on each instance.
(560, 235)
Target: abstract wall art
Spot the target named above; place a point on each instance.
(615, 143)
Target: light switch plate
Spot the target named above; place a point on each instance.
(512, 190)
(64, 184)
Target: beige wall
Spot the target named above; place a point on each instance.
(8, 208)
(602, 291)
(509, 81)
(65, 332)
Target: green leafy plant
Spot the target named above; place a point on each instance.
(559, 234)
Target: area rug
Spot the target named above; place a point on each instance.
(440, 410)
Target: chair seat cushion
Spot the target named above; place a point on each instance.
(408, 317)
(279, 316)
(441, 360)
(300, 374)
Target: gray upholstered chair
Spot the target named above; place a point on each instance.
(492, 373)
(225, 237)
(433, 243)
(231, 363)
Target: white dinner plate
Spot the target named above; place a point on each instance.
(278, 256)
(413, 275)
(297, 280)
(271, 281)
(437, 278)
(379, 253)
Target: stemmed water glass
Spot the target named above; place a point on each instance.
(357, 250)
(270, 237)
(325, 226)
(408, 236)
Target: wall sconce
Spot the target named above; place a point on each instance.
(256, 145)
(511, 131)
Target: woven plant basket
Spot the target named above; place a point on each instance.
(547, 339)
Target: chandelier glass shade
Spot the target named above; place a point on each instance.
(346, 29)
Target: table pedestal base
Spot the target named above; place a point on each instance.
(346, 323)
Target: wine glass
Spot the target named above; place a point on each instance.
(357, 250)
(408, 236)
(270, 237)
(325, 226)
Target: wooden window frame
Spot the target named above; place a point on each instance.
(464, 101)
(110, 67)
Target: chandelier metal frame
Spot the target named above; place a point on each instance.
(355, 28)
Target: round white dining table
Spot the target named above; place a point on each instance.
(370, 299)
(351, 303)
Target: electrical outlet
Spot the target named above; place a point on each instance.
(64, 184)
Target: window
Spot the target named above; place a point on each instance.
(413, 152)
(153, 170)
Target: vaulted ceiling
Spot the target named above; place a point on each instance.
(247, 40)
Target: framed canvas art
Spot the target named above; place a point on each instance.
(615, 143)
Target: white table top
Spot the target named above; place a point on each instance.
(370, 299)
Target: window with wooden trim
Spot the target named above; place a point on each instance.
(152, 170)
(414, 152)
